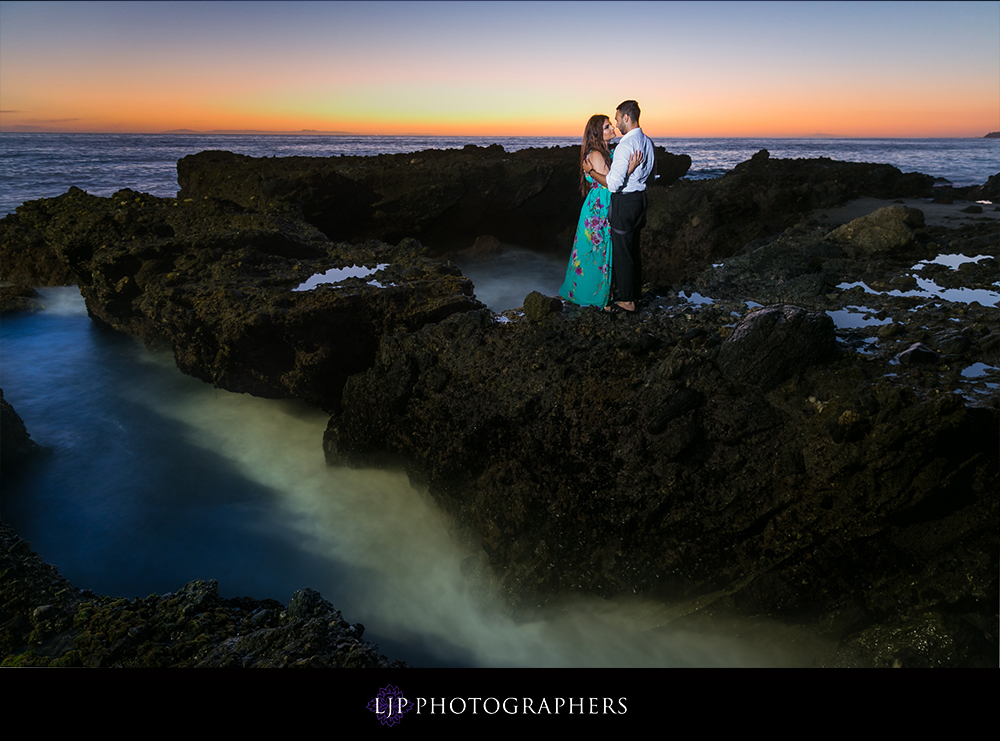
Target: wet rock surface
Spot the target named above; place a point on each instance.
(15, 298)
(936, 287)
(46, 621)
(15, 442)
(775, 343)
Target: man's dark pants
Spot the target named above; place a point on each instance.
(628, 217)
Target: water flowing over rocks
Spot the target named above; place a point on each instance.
(747, 453)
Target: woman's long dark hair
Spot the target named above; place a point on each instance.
(593, 140)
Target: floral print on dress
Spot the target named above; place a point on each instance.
(588, 275)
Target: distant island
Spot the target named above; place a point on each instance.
(992, 135)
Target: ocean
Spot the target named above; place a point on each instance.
(46, 165)
(154, 478)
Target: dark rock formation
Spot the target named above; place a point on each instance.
(15, 442)
(537, 306)
(758, 460)
(697, 457)
(445, 198)
(26, 259)
(612, 457)
(15, 298)
(449, 198)
(888, 229)
(212, 278)
(46, 621)
(774, 343)
(917, 354)
(990, 191)
(214, 282)
(694, 224)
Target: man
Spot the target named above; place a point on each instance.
(628, 206)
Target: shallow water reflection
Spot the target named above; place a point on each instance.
(928, 289)
(335, 275)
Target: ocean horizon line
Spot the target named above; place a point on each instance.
(309, 132)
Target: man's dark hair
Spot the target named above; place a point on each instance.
(631, 109)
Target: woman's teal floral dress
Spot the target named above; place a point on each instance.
(588, 277)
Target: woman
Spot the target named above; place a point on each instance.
(588, 276)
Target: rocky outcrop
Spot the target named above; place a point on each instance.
(888, 229)
(216, 283)
(16, 298)
(758, 460)
(445, 198)
(46, 621)
(211, 274)
(695, 223)
(619, 457)
(450, 198)
(15, 442)
(775, 343)
(989, 191)
(26, 259)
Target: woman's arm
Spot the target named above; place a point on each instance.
(599, 168)
(601, 177)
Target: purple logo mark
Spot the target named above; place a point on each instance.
(389, 705)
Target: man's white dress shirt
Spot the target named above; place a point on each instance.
(618, 175)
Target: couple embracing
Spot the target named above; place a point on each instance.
(606, 245)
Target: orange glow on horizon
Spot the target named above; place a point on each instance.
(107, 108)
(138, 119)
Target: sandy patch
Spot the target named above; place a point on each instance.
(935, 214)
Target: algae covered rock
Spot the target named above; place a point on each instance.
(18, 298)
(887, 230)
(538, 306)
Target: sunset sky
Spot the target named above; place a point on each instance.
(859, 69)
